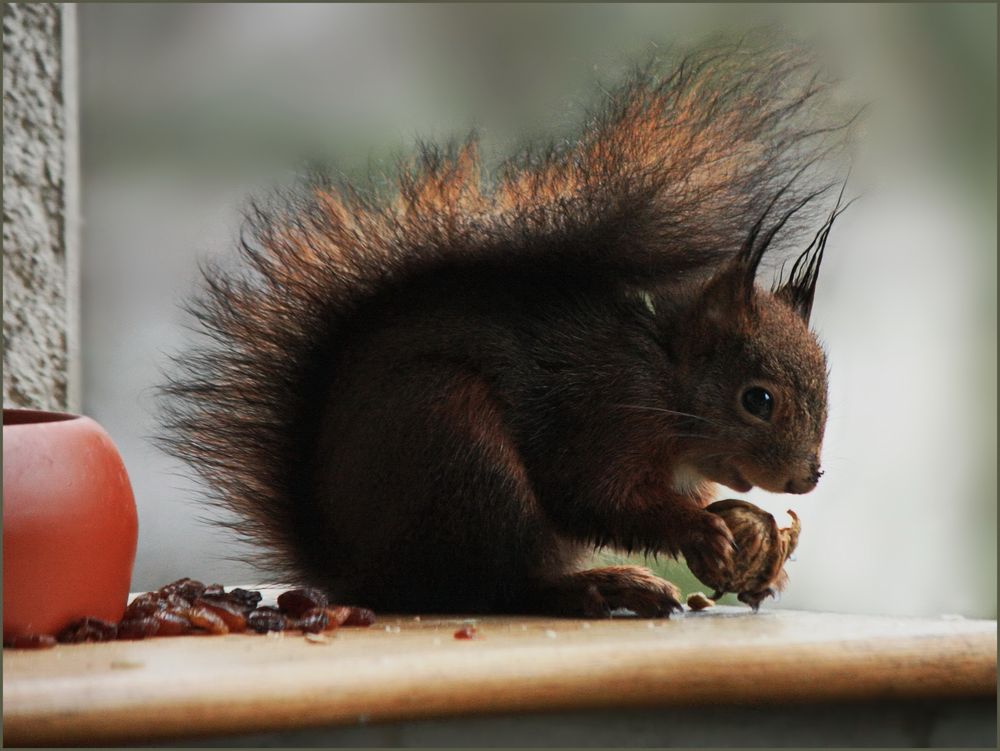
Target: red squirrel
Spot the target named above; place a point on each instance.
(439, 400)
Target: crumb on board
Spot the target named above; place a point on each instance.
(126, 664)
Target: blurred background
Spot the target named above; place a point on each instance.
(187, 108)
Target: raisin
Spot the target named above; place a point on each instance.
(171, 623)
(266, 619)
(346, 615)
(31, 641)
(144, 605)
(360, 617)
(313, 621)
(189, 589)
(467, 632)
(246, 599)
(295, 602)
(337, 616)
(162, 623)
(206, 620)
(230, 612)
(87, 630)
(138, 628)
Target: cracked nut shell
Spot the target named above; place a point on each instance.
(756, 570)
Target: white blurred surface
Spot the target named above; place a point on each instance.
(188, 108)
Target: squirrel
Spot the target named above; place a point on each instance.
(441, 399)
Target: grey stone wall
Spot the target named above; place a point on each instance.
(40, 274)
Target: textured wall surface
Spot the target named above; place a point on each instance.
(38, 266)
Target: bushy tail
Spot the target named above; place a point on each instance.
(666, 181)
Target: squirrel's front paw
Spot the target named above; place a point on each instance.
(596, 592)
(708, 543)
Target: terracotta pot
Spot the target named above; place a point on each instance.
(69, 523)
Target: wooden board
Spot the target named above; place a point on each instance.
(409, 668)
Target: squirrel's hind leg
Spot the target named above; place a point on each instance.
(594, 593)
(423, 500)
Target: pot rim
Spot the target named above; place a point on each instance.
(17, 417)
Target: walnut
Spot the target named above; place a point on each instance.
(756, 572)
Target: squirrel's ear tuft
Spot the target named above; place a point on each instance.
(798, 290)
(759, 238)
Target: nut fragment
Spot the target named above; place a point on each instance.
(756, 570)
(699, 601)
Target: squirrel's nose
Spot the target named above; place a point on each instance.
(801, 485)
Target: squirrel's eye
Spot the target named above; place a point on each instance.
(758, 402)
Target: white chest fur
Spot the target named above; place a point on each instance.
(686, 480)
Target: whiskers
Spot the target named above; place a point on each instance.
(669, 412)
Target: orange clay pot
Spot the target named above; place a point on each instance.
(69, 523)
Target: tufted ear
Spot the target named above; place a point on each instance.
(798, 290)
(729, 296)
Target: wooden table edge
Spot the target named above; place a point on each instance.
(914, 667)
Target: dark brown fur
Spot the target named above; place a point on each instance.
(439, 400)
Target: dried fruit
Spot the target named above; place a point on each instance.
(187, 606)
(756, 570)
(189, 589)
(144, 605)
(204, 619)
(313, 621)
(295, 602)
(138, 628)
(266, 619)
(228, 610)
(359, 617)
(247, 599)
(31, 641)
(172, 623)
(338, 616)
(87, 630)
(160, 623)
(699, 601)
